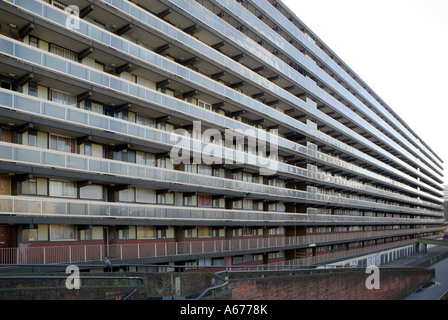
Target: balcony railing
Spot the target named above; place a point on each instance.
(90, 253)
(26, 155)
(75, 208)
(18, 101)
(347, 254)
(126, 88)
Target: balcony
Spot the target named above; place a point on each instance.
(188, 249)
(197, 79)
(23, 206)
(142, 134)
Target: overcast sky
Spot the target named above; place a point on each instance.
(399, 48)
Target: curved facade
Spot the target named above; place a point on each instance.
(308, 164)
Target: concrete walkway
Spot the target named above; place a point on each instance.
(437, 286)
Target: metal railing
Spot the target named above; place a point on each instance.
(88, 253)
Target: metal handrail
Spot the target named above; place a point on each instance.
(166, 249)
(9, 277)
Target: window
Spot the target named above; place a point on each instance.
(191, 233)
(276, 231)
(61, 143)
(94, 233)
(204, 201)
(5, 85)
(34, 187)
(62, 189)
(257, 205)
(221, 262)
(218, 203)
(218, 232)
(125, 155)
(146, 232)
(96, 107)
(237, 176)
(276, 255)
(92, 106)
(57, 4)
(248, 231)
(145, 195)
(165, 232)
(145, 158)
(258, 257)
(219, 172)
(32, 89)
(85, 149)
(38, 233)
(205, 169)
(34, 42)
(64, 98)
(62, 52)
(190, 201)
(161, 163)
(192, 168)
(127, 195)
(110, 111)
(238, 204)
(146, 121)
(237, 260)
(29, 186)
(165, 198)
(61, 232)
(5, 135)
(29, 235)
(94, 192)
(29, 138)
(247, 177)
(204, 232)
(127, 233)
(204, 105)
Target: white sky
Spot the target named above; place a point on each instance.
(399, 48)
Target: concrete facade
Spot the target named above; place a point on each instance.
(96, 94)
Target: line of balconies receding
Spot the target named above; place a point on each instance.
(143, 135)
(343, 149)
(115, 125)
(338, 255)
(286, 171)
(16, 158)
(188, 249)
(266, 57)
(339, 70)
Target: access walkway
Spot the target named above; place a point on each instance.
(436, 258)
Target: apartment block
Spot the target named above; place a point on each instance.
(95, 94)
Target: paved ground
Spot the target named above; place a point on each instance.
(437, 286)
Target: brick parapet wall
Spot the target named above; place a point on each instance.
(339, 285)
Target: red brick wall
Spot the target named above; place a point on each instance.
(338, 285)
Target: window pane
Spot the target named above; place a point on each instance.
(145, 232)
(62, 232)
(29, 235)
